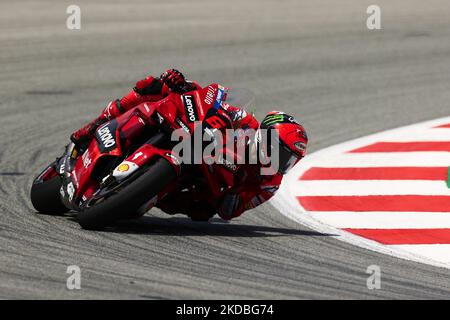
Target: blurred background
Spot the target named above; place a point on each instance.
(314, 59)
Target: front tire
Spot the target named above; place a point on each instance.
(45, 196)
(130, 198)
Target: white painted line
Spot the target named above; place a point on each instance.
(421, 135)
(384, 220)
(285, 204)
(438, 252)
(370, 187)
(386, 159)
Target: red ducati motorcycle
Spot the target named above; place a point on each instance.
(129, 166)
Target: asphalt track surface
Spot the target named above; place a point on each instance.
(314, 59)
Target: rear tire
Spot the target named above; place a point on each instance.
(45, 197)
(130, 198)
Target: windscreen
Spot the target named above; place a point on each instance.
(240, 97)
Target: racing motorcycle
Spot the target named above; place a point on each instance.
(129, 166)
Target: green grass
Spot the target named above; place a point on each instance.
(448, 177)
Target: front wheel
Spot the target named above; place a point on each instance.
(44, 193)
(130, 198)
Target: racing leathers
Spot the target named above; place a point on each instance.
(150, 89)
(250, 189)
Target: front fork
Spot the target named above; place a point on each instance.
(65, 163)
(64, 167)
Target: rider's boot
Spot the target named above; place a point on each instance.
(83, 136)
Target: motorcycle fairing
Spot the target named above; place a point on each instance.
(112, 137)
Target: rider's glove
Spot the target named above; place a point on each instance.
(174, 79)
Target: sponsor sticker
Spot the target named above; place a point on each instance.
(124, 167)
(106, 137)
(219, 98)
(137, 155)
(183, 125)
(190, 107)
(86, 159)
(210, 93)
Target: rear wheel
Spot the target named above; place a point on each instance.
(129, 199)
(44, 193)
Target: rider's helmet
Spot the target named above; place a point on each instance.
(281, 139)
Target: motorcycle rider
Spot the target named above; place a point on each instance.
(251, 188)
(149, 89)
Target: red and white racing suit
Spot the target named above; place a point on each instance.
(251, 188)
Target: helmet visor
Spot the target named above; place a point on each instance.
(274, 152)
(286, 159)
